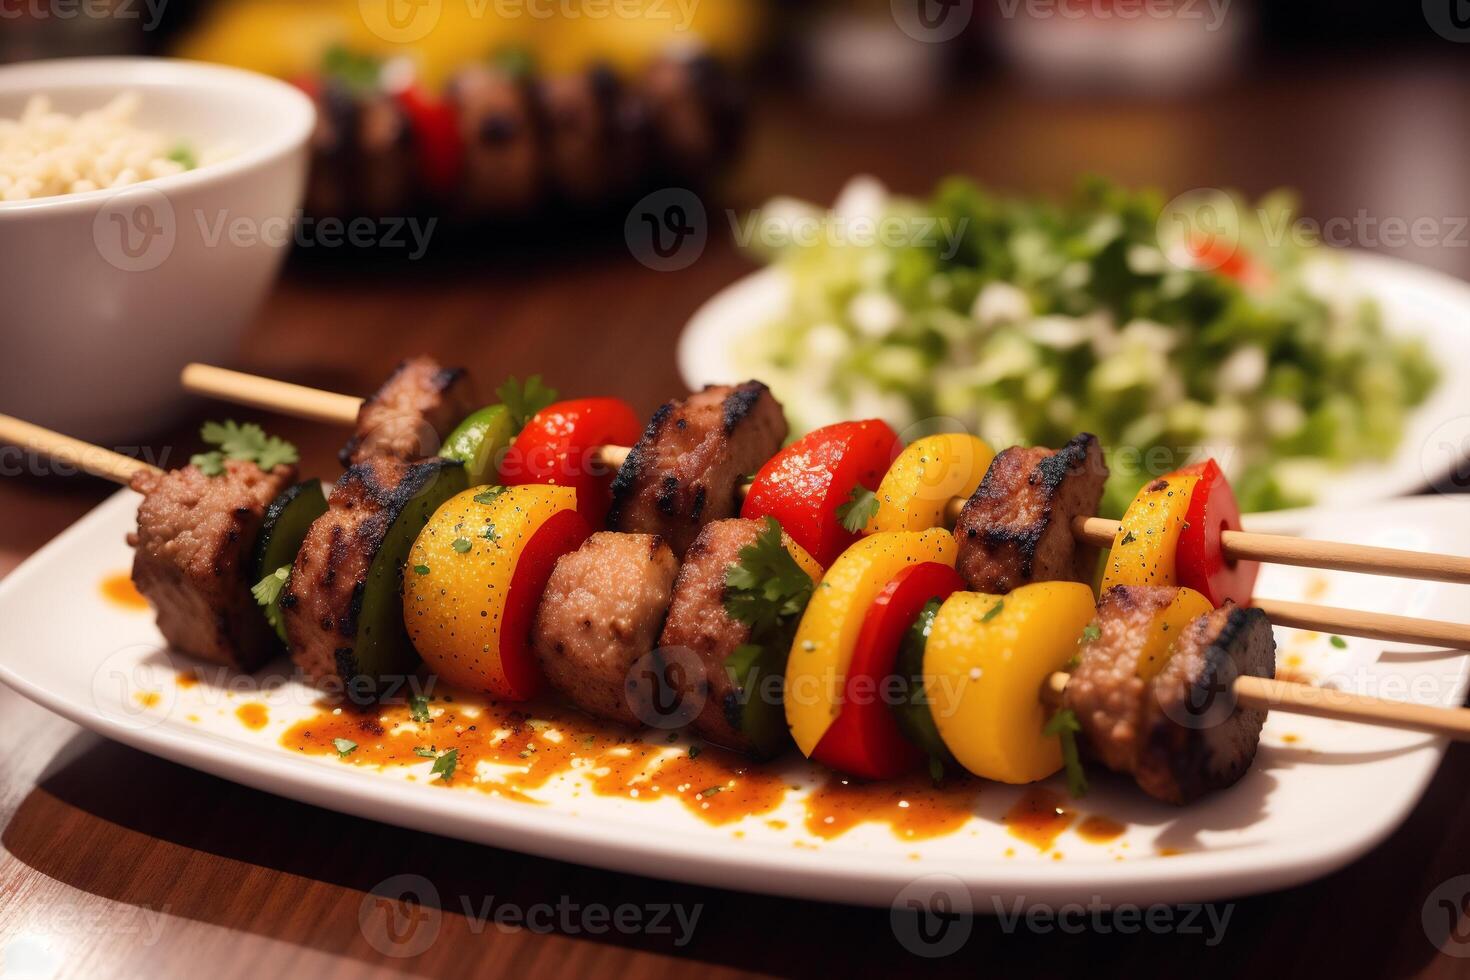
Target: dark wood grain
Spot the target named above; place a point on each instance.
(117, 863)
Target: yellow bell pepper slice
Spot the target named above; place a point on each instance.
(1148, 535)
(822, 649)
(984, 667)
(926, 476)
(459, 577)
(1188, 605)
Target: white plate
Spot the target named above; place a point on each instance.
(1320, 794)
(1416, 302)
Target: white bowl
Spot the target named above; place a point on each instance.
(105, 295)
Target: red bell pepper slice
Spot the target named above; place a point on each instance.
(1200, 561)
(865, 740)
(436, 139)
(562, 534)
(804, 484)
(557, 448)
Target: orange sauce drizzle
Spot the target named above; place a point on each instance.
(1039, 817)
(912, 806)
(148, 699)
(120, 591)
(1099, 830)
(187, 679)
(253, 715)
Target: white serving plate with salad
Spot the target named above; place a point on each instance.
(1320, 793)
(722, 344)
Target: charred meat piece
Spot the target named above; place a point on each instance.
(580, 115)
(1106, 692)
(691, 458)
(196, 535)
(1017, 527)
(696, 111)
(409, 416)
(342, 604)
(502, 141)
(364, 154)
(1194, 737)
(601, 613)
(698, 622)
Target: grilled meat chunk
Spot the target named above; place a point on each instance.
(503, 152)
(409, 416)
(196, 535)
(1194, 737)
(323, 603)
(1017, 527)
(698, 623)
(1106, 692)
(600, 614)
(696, 111)
(691, 458)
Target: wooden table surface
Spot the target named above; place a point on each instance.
(117, 863)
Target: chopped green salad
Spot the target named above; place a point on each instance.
(1028, 321)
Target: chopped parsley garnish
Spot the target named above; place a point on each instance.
(711, 791)
(694, 752)
(490, 534)
(936, 769)
(1064, 726)
(1090, 632)
(1338, 642)
(424, 752)
(359, 72)
(267, 591)
(344, 747)
(444, 765)
(861, 506)
(461, 545)
(1128, 538)
(525, 400)
(244, 442)
(490, 494)
(766, 589)
(421, 569)
(993, 612)
(184, 156)
(418, 709)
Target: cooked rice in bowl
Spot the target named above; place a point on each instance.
(46, 153)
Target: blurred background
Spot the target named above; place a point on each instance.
(534, 132)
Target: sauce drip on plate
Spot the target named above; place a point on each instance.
(119, 590)
(1039, 817)
(912, 806)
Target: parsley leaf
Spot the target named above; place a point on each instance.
(424, 753)
(525, 400)
(418, 709)
(489, 494)
(344, 747)
(766, 589)
(993, 612)
(1064, 725)
(267, 591)
(461, 545)
(1128, 538)
(444, 765)
(1090, 632)
(184, 156)
(421, 569)
(490, 534)
(1338, 642)
(861, 506)
(243, 442)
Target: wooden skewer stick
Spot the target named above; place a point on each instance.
(83, 455)
(1251, 691)
(1278, 549)
(1325, 702)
